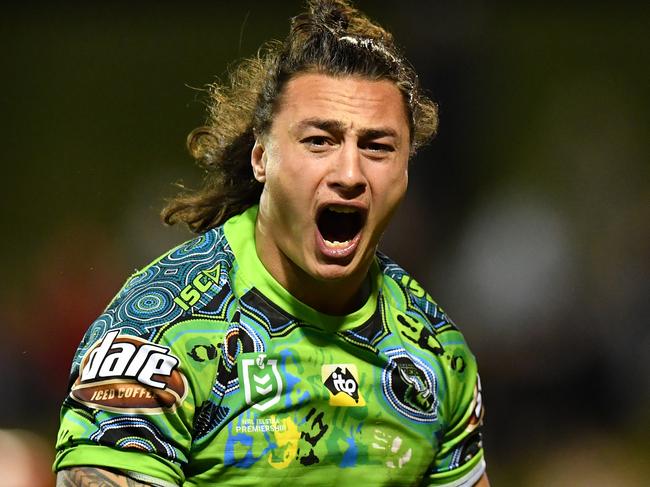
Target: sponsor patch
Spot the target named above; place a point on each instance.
(342, 381)
(124, 373)
(262, 381)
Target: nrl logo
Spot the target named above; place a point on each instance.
(262, 382)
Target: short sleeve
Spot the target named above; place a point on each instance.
(127, 409)
(458, 459)
(141, 373)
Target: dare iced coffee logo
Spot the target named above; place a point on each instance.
(126, 373)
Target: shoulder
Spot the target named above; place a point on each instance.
(176, 286)
(409, 294)
(430, 335)
(154, 348)
(423, 324)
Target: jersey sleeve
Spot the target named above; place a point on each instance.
(140, 376)
(460, 460)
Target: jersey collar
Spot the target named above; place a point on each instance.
(240, 233)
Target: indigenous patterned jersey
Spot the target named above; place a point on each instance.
(204, 370)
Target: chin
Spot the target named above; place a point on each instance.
(333, 274)
(337, 271)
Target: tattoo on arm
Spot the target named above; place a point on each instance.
(94, 477)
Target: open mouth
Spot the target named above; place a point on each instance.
(340, 225)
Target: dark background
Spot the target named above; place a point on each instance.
(528, 218)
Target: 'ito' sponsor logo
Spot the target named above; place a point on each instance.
(128, 374)
(262, 381)
(342, 381)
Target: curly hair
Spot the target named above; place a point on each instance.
(331, 37)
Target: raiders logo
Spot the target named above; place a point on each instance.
(410, 387)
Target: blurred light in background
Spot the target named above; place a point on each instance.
(25, 460)
(528, 218)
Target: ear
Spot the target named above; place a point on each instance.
(258, 160)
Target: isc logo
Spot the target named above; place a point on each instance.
(191, 293)
(124, 359)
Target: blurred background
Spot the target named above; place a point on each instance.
(528, 218)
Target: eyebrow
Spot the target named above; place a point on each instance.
(337, 127)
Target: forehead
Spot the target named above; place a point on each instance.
(352, 100)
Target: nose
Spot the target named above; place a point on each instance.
(347, 176)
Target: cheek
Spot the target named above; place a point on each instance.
(300, 178)
(290, 185)
(394, 186)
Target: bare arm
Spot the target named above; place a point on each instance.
(483, 481)
(94, 477)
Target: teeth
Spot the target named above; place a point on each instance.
(342, 209)
(337, 245)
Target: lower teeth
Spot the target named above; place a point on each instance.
(337, 244)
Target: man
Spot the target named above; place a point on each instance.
(279, 345)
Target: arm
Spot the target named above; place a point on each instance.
(483, 481)
(94, 477)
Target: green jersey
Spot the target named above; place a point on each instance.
(204, 370)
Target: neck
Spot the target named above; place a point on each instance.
(333, 297)
(336, 297)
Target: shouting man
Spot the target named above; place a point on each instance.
(280, 345)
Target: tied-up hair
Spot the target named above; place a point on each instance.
(331, 37)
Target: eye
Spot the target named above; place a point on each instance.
(377, 149)
(317, 142)
(375, 146)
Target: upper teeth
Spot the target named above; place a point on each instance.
(342, 209)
